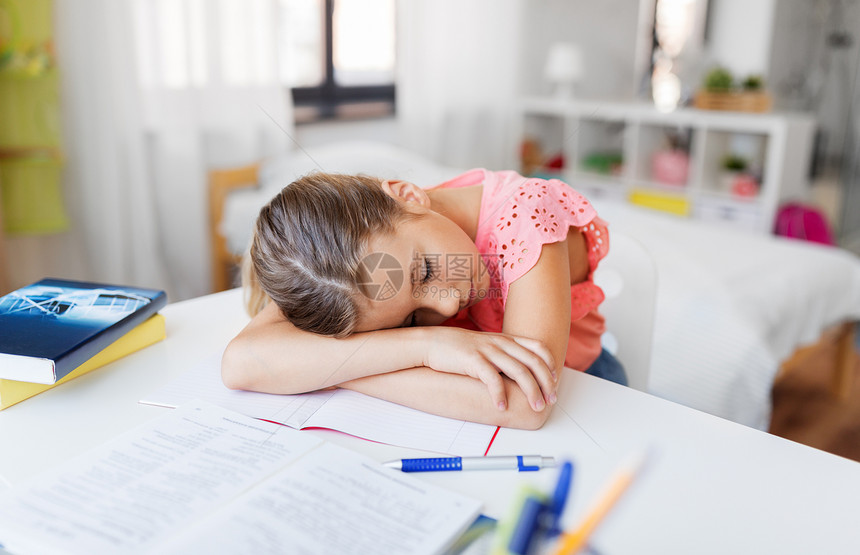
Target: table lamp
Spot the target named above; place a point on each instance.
(564, 68)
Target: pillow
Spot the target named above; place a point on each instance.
(373, 158)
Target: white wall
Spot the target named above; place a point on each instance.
(740, 35)
(606, 31)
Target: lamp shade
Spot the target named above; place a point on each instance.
(565, 63)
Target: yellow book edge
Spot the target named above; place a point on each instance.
(144, 334)
(665, 202)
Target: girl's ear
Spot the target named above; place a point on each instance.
(406, 192)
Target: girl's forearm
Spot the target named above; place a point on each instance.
(273, 356)
(453, 396)
(278, 358)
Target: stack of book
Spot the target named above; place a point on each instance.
(54, 330)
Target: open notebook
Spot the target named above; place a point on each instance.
(342, 410)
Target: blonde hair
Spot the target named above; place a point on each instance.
(307, 249)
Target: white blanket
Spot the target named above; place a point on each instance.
(730, 305)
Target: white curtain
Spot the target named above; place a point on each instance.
(155, 93)
(458, 65)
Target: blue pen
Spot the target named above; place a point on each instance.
(521, 463)
(559, 498)
(540, 518)
(526, 534)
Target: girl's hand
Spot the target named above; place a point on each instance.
(488, 356)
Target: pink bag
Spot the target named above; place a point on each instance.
(800, 221)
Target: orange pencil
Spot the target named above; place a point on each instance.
(573, 542)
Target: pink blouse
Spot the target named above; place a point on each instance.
(518, 216)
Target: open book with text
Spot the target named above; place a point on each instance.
(203, 479)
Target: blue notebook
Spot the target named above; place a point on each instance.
(49, 328)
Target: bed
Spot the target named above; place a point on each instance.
(731, 307)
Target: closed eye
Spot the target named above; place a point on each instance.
(426, 273)
(429, 272)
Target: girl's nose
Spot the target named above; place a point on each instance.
(449, 301)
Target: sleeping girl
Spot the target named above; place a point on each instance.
(466, 300)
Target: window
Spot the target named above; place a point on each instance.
(338, 57)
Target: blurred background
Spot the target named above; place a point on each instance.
(113, 111)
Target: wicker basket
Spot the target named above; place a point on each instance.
(755, 101)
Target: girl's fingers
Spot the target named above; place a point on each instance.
(538, 348)
(487, 357)
(514, 369)
(537, 366)
(488, 374)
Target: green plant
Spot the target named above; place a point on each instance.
(753, 83)
(733, 162)
(719, 80)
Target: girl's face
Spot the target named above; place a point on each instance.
(420, 275)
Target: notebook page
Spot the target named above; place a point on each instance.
(347, 411)
(204, 382)
(334, 500)
(130, 493)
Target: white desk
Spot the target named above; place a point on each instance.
(713, 486)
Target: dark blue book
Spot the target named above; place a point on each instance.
(49, 328)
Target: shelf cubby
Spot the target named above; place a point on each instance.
(778, 147)
(673, 143)
(599, 147)
(750, 147)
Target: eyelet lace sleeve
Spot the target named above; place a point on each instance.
(587, 296)
(542, 212)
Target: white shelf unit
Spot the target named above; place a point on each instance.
(778, 146)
